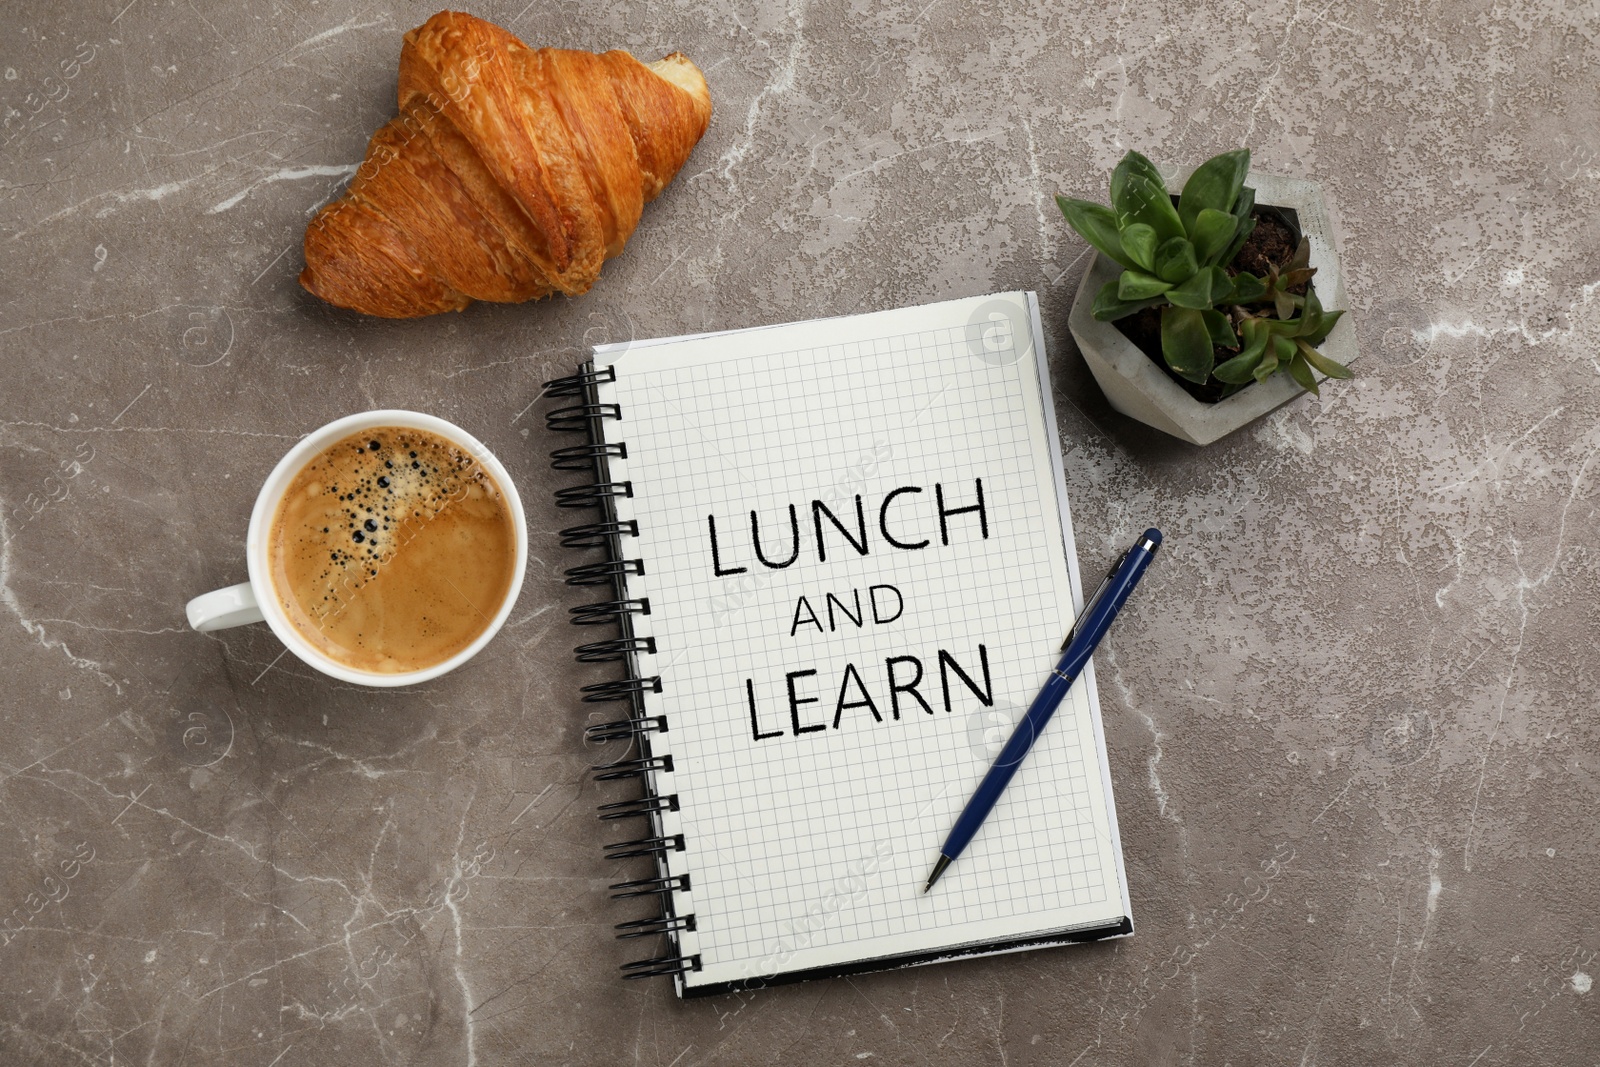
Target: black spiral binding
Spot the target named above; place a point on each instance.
(632, 768)
(646, 887)
(607, 651)
(587, 414)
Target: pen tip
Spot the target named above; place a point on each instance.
(938, 869)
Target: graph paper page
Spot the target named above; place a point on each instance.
(838, 677)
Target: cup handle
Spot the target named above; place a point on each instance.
(222, 608)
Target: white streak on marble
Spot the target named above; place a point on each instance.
(363, 766)
(1162, 799)
(116, 198)
(1435, 887)
(290, 959)
(1279, 431)
(342, 28)
(1436, 330)
(114, 629)
(1495, 460)
(267, 903)
(458, 878)
(1108, 671)
(148, 429)
(287, 174)
(781, 83)
(35, 628)
(1037, 184)
(55, 751)
(1523, 586)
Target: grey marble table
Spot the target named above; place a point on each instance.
(1351, 721)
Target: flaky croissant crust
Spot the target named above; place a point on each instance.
(509, 174)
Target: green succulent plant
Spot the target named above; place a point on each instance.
(1270, 345)
(1280, 280)
(1174, 256)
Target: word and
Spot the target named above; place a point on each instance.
(891, 517)
(903, 676)
(806, 615)
(52, 890)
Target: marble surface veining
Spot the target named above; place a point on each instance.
(1351, 718)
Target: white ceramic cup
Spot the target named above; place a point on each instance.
(255, 601)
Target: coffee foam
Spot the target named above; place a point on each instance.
(392, 550)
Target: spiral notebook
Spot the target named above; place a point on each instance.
(837, 562)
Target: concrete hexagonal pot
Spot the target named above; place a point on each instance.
(1141, 390)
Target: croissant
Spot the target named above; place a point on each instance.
(509, 173)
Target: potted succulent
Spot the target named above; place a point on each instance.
(1200, 313)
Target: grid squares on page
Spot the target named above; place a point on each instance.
(774, 826)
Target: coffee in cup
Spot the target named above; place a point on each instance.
(423, 588)
(392, 550)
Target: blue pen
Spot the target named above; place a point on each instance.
(1086, 633)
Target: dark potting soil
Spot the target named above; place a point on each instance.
(1272, 241)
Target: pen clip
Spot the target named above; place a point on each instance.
(1089, 605)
